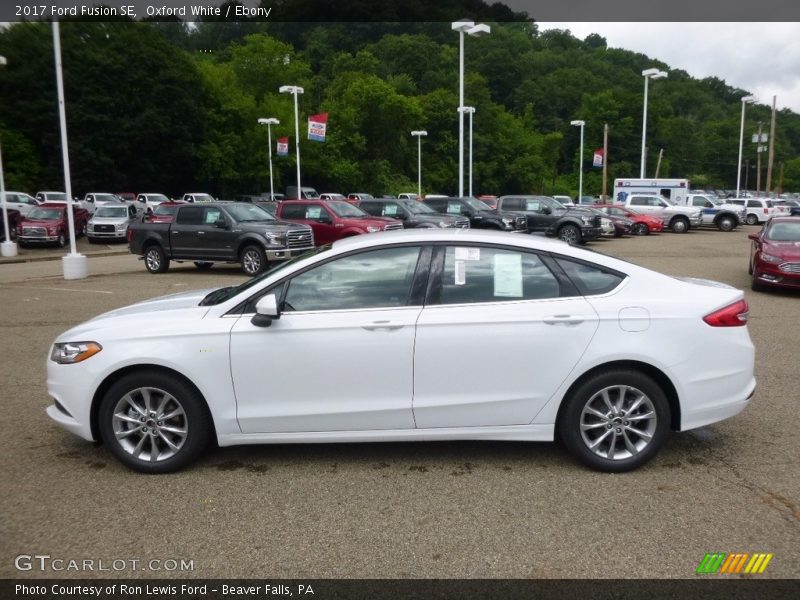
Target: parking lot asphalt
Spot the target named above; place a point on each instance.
(466, 509)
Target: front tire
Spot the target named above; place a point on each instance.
(155, 260)
(154, 422)
(679, 225)
(62, 240)
(254, 260)
(726, 224)
(615, 421)
(641, 229)
(570, 234)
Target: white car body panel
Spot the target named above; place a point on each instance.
(649, 318)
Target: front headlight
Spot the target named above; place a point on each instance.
(587, 220)
(508, 222)
(372, 229)
(90, 225)
(274, 238)
(122, 226)
(771, 259)
(442, 224)
(68, 353)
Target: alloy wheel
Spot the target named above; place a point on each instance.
(618, 422)
(150, 424)
(153, 259)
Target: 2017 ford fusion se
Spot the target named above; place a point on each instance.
(412, 335)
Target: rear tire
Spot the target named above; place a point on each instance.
(641, 229)
(154, 422)
(155, 260)
(615, 421)
(726, 224)
(751, 219)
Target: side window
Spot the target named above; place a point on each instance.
(390, 210)
(190, 215)
(474, 275)
(513, 204)
(293, 211)
(656, 202)
(436, 205)
(590, 280)
(315, 212)
(212, 215)
(752, 204)
(376, 279)
(638, 201)
(534, 205)
(453, 207)
(371, 207)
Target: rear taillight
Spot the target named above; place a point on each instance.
(130, 235)
(733, 315)
(766, 211)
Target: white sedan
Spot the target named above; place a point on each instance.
(412, 335)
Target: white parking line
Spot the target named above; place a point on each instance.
(55, 289)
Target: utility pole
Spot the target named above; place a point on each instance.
(758, 163)
(746, 173)
(771, 147)
(780, 181)
(658, 164)
(605, 162)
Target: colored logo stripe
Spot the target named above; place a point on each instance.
(721, 562)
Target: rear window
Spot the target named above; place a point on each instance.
(591, 280)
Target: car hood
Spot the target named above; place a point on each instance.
(109, 220)
(785, 250)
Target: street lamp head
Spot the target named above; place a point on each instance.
(3, 60)
(420, 132)
(750, 99)
(270, 121)
(479, 30)
(462, 26)
(650, 72)
(660, 75)
(290, 89)
(578, 123)
(466, 109)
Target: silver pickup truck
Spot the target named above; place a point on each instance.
(678, 218)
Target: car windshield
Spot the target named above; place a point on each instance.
(203, 198)
(784, 231)
(50, 196)
(112, 211)
(168, 209)
(223, 294)
(477, 204)
(345, 209)
(248, 213)
(714, 201)
(105, 198)
(156, 198)
(45, 213)
(417, 208)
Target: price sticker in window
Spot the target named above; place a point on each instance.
(468, 253)
(461, 273)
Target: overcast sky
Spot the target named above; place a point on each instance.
(761, 58)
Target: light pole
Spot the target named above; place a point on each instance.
(418, 134)
(74, 264)
(580, 124)
(479, 30)
(7, 248)
(648, 74)
(269, 123)
(470, 110)
(295, 90)
(745, 100)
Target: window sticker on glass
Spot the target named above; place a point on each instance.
(460, 272)
(313, 212)
(508, 275)
(390, 210)
(468, 253)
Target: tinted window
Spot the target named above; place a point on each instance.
(293, 211)
(473, 274)
(436, 205)
(376, 279)
(190, 215)
(513, 204)
(638, 201)
(590, 279)
(373, 208)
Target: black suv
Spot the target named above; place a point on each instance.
(572, 224)
(480, 214)
(412, 213)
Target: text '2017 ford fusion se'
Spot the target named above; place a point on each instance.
(390, 337)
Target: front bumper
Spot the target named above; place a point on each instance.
(34, 239)
(592, 233)
(286, 253)
(771, 275)
(113, 235)
(696, 221)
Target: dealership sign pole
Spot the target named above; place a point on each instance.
(269, 123)
(8, 247)
(74, 264)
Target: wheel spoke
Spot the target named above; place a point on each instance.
(612, 445)
(607, 400)
(175, 413)
(596, 413)
(175, 430)
(161, 405)
(588, 426)
(126, 418)
(622, 391)
(146, 397)
(140, 446)
(629, 444)
(153, 449)
(127, 398)
(168, 441)
(127, 432)
(599, 440)
(636, 403)
(645, 416)
(642, 434)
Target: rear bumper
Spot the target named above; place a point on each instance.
(691, 419)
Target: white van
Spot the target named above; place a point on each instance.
(674, 190)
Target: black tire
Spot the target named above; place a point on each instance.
(195, 421)
(155, 260)
(84, 230)
(203, 266)
(641, 229)
(751, 219)
(91, 239)
(570, 233)
(679, 225)
(62, 240)
(253, 260)
(726, 223)
(590, 391)
(754, 285)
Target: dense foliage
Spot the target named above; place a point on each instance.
(171, 108)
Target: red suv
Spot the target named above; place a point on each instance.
(775, 254)
(332, 220)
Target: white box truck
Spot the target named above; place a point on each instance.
(674, 190)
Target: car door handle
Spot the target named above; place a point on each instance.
(563, 320)
(382, 326)
(201, 233)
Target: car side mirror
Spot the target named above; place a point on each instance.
(324, 218)
(547, 210)
(221, 223)
(266, 311)
(755, 237)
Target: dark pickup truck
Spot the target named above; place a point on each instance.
(480, 214)
(205, 233)
(413, 214)
(547, 215)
